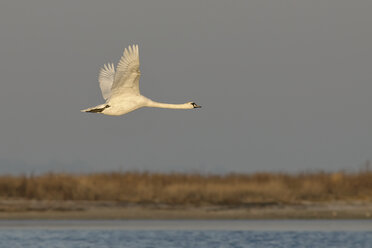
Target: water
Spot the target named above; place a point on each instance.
(179, 234)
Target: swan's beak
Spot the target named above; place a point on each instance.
(196, 105)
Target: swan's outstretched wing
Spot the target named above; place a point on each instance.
(106, 78)
(127, 72)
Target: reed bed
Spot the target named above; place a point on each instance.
(191, 189)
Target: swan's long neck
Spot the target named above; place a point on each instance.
(153, 104)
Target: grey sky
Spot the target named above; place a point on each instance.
(284, 85)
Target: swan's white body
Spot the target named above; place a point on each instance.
(121, 91)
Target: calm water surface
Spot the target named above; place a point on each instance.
(199, 234)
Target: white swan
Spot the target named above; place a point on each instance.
(121, 91)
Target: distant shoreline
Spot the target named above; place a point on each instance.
(134, 195)
(79, 210)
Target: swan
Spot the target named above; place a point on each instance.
(120, 88)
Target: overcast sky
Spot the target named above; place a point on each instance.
(285, 85)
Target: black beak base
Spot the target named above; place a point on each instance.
(195, 105)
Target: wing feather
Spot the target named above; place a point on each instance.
(127, 72)
(106, 79)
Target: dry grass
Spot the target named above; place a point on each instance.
(191, 189)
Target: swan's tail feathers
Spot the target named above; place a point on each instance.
(96, 109)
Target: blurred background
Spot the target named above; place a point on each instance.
(284, 85)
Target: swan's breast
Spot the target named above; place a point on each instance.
(121, 106)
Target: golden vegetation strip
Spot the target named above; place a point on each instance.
(191, 189)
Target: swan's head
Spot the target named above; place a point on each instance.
(193, 105)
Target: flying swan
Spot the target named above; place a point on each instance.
(120, 88)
